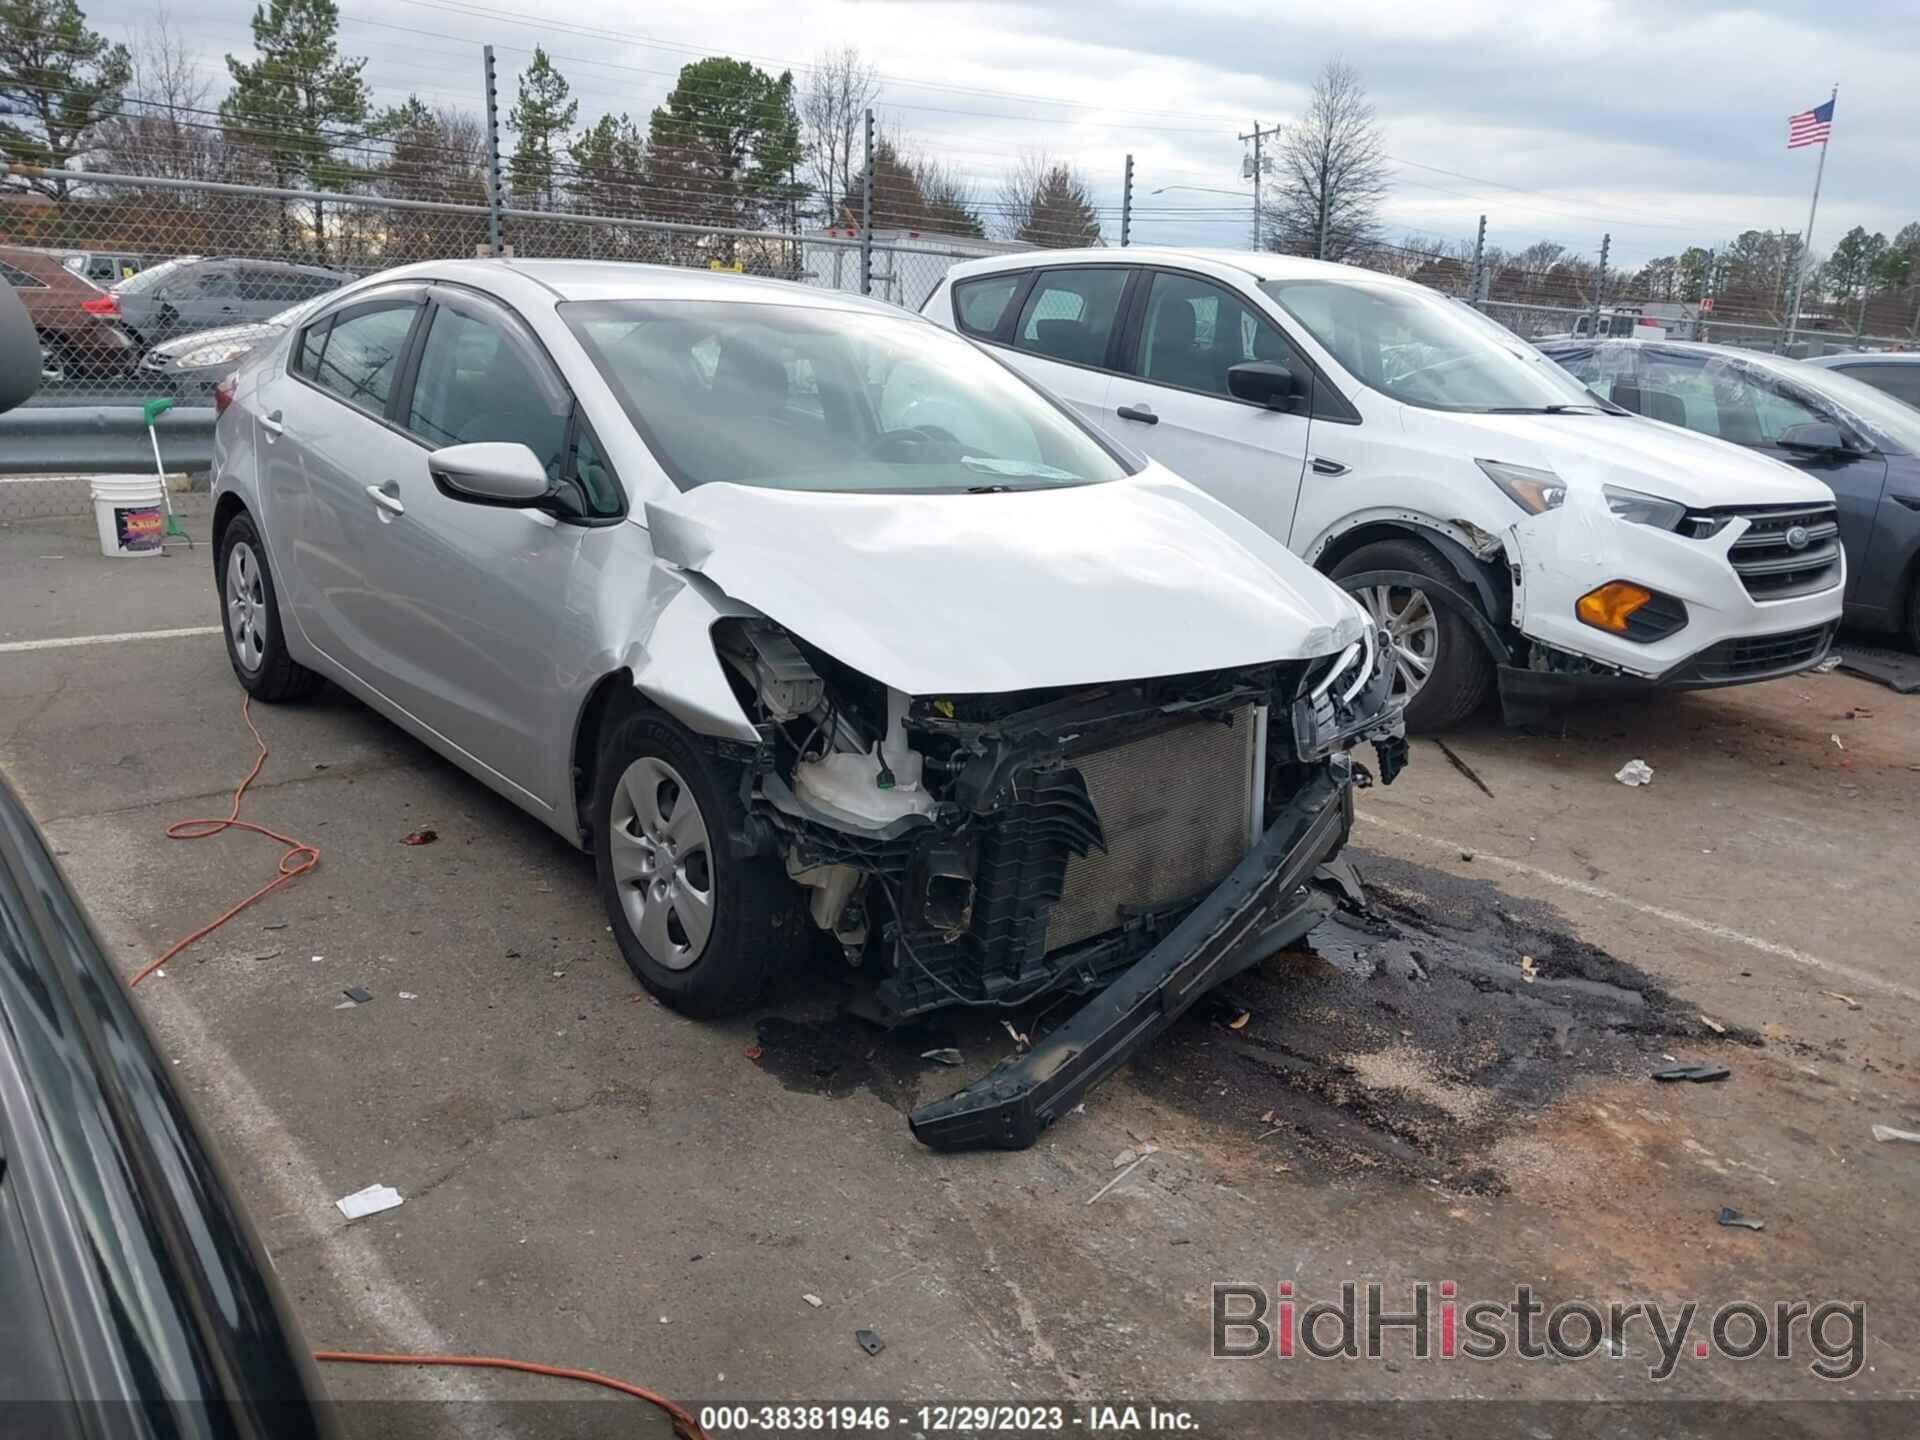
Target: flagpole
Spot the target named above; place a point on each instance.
(1806, 245)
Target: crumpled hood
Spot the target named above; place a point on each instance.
(977, 594)
(1641, 454)
(254, 334)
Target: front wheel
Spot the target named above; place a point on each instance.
(699, 924)
(1441, 671)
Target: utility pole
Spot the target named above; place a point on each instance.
(866, 215)
(493, 153)
(1259, 168)
(1474, 297)
(1600, 282)
(1126, 205)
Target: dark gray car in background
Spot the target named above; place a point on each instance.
(182, 296)
(1864, 443)
(1896, 373)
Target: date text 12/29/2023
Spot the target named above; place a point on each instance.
(950, 1419)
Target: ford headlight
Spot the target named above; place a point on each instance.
(1534, 491)
(218, 353)
(1644, 509)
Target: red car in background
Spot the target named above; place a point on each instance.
(78, 339)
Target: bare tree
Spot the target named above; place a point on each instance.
(1333, 172)
(833, 108)
(1046, 202)
(165, 127)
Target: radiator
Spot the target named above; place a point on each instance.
(1177, 810)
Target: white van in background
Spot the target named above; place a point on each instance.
(1499, 520)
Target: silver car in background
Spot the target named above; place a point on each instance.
(818, 627)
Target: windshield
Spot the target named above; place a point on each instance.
(154, 275)
(1425, 349)
(797, 398)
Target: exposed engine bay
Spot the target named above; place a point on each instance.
(986, 850)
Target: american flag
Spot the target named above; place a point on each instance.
(1810, 127)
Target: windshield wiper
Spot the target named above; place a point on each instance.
(1575, 408)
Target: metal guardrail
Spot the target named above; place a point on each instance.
(102, 439)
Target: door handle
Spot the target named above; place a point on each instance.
(1138, 412)
(271, 424)
(1323, 466)
(387, 497)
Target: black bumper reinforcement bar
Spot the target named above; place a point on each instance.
(1265, 904)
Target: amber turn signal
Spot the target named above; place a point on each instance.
(1611, 606)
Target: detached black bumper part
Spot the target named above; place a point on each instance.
(1264, 905)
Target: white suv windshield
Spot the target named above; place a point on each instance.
(1426, 349)
(797, 398)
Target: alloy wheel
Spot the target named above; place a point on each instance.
(246, 606)
(1409, 624)
(662, 862)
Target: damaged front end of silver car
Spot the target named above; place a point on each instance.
(1136, 842)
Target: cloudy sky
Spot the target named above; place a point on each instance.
(1661, 121)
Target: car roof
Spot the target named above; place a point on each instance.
(585, 280)
(1260, 264)
(1865, 357)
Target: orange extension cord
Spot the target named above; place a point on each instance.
(684, 1425)
(296, 861)
(298, 858)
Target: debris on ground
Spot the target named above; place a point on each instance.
(1846, 1000)
(753, 1052)
(358, 994)
(1022, 1041)
(1713, 1025)
(1733, 1219)
(814, 1300)
(1239, 1022)
(1698, 1074)
(408, 995)
(1464, 768)
(370, 1201)
(1121, 1176)
(1887, 1132)
(420, 837)
(1836, 742)
(1634, 772)
(945, 1055)
(1828, 665)
(1527, 971)
(869, 1341)
(275, 925)
(1466, 855)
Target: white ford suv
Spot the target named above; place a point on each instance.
(1499, 520)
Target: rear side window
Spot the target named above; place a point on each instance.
(272, 287)
(1900, 381)
(216, 285)
(1071, 314)
(356, 356)
(979, 305)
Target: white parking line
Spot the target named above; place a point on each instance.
(10, 646)
(1860, 978)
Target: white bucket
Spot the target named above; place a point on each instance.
(127, 510)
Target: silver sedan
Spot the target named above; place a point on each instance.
(815, 624)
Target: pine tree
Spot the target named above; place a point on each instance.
(541, 118)
(293, 103)
(62, 78)
(725, 147)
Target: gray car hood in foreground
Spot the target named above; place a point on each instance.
(978, 594)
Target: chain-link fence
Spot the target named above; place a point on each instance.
(144, 286)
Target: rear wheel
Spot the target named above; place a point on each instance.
(1441, 669)
(699, 923)
(256, 646)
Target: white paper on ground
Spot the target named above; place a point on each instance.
(370, 1201)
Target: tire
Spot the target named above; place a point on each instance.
(701, 926)
(1459, 673)
(250, 620)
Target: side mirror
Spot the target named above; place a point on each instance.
(20, 362)
(1816, 437)
(491, 473)
(1264, 383)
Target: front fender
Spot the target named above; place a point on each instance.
(674, 664)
